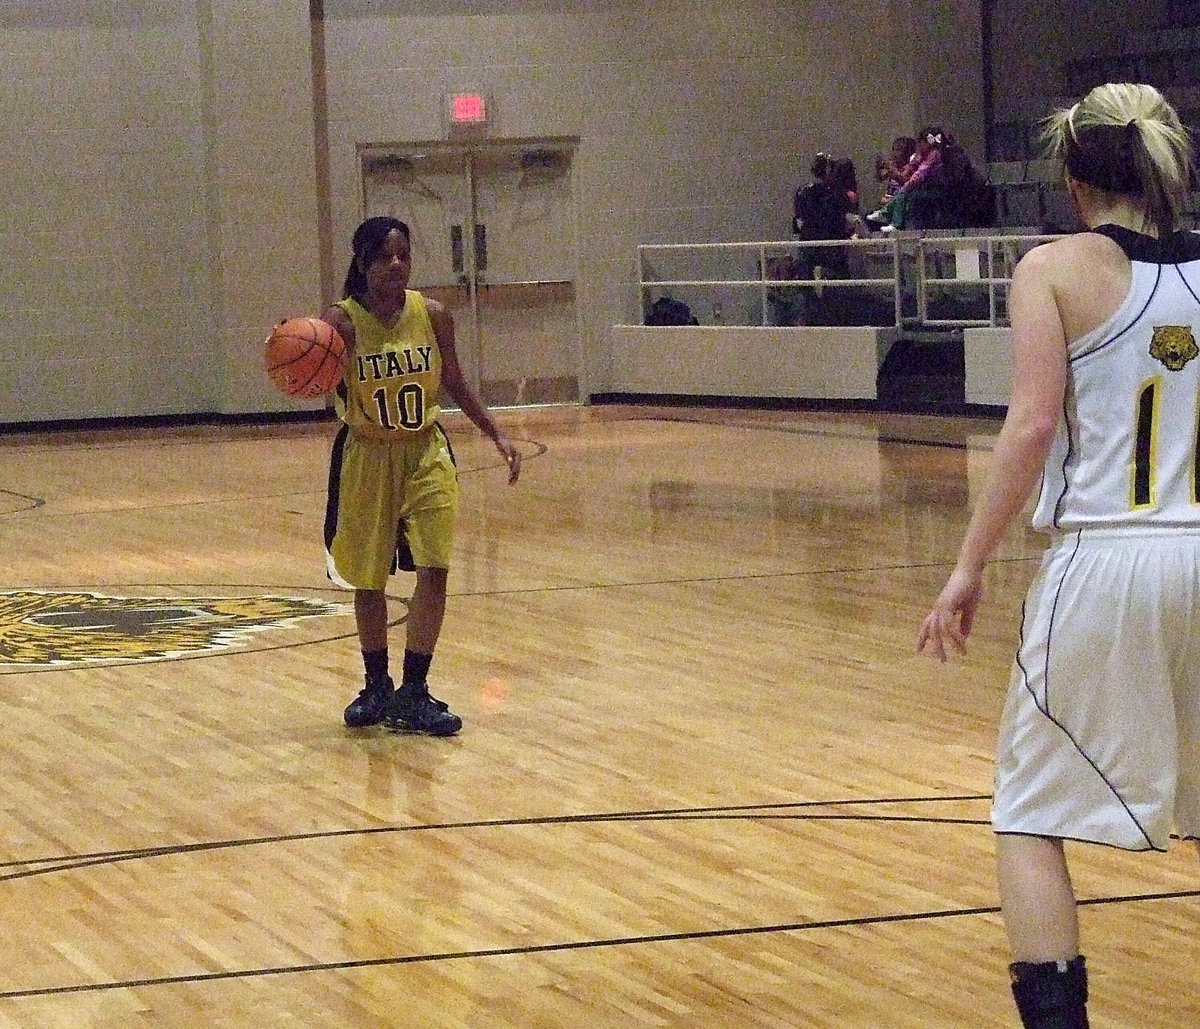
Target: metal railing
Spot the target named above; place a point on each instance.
(920, 288)
(994, 259)
(764, 282)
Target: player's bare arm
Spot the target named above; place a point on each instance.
(338, 318)
(460, 390)
(1039, 381)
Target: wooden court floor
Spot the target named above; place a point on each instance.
(704, 780)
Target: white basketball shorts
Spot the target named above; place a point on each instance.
(1100, 737)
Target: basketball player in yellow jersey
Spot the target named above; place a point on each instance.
(393, 490)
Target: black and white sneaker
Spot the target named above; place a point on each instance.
(369, 706)
(412, 709)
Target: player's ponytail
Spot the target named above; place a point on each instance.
(1162, 211)
(1125, 138)
(369, 238)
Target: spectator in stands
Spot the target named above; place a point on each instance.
(822, 211)
(893, 169)
(955, 197)
(943, 191)
(846, 178)
(884, 177)
(820, 208)
(924, 168)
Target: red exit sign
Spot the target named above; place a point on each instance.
(468, 109)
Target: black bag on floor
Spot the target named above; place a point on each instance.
(669, 311)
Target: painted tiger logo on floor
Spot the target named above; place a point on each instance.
(43, 627)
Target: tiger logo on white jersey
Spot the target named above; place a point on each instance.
(1173, 345)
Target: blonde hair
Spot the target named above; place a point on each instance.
(1125, 138)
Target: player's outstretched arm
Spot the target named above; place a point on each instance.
(460, 390)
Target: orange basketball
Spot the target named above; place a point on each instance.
(304, 357)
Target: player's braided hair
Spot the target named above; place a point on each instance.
(369, 239)
(1125, 138)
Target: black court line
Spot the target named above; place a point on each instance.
(35, 502)
(539, 450)
(574, 945)
(10, 668)
(69, 864)
(944, 444)
(851, 570)
(51, 865)
(677, 419)
(923, 820)
(74, 861)
(331, 425)
(31, 503)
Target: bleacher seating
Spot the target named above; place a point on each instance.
(1028, 189)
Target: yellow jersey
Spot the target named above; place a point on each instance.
(394, 375)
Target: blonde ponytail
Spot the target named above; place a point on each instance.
(1125, 138)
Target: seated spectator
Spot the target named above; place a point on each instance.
(846, 178)
(972, 201)
(884, 177)
(924, 167)
(955, 197)
(893, 169)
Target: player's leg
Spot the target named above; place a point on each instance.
(1081, 751)
(430, 509)
(412, 708)
(1036, 898)
(1037, 901)
(1038, 771)
(370, 617)
(426, 611)
(360, 541)
(1187, 702)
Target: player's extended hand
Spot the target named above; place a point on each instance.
(953, 615)
(512, 457)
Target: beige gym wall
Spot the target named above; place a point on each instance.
(163, 193)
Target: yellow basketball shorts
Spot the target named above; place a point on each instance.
(1100, 737)
(391, 505)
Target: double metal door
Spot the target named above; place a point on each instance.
(493, 238)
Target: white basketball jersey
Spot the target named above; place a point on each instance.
(1126, 448)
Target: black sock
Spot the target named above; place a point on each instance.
(1051, 994)
(376, 664)
(416, 667)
